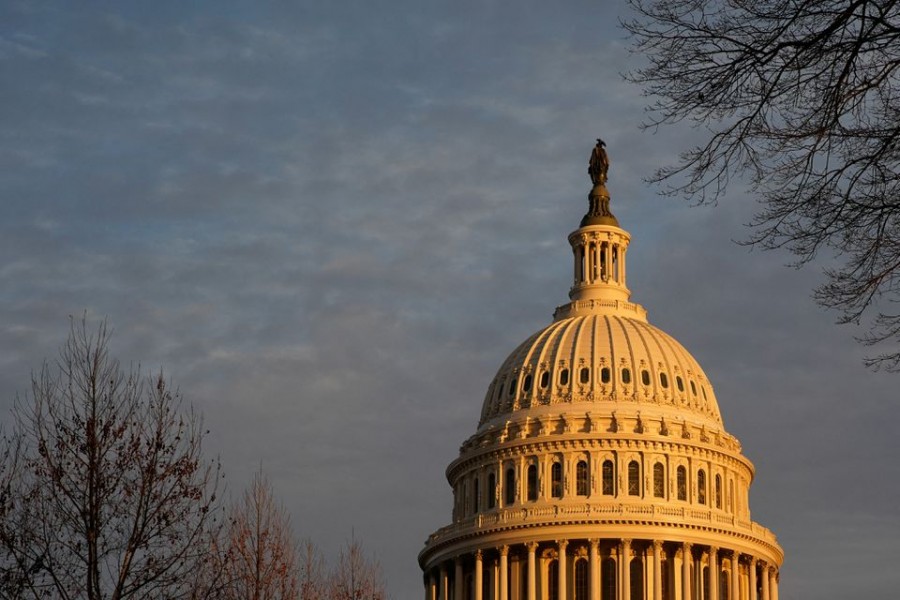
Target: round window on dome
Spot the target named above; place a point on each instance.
(585, 375)
(512, 387)
(545, 379)
(679, 382)
(664, 380)
(626, 375)
(703, 389)
(693, 388)
(645, 377)
(564, 377)
(526, 383)
(604, 375)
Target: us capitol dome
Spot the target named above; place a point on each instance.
(601, 468)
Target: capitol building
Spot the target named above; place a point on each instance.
(601, 468)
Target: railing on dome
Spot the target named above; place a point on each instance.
(554, 513)
(577, 306)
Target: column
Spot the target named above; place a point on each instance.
(445, 583)
(504, 573)
(479, 575)
(532, 571)
(774, 585)
(713, 573)
(458, 579)
(626, 570)
(562, 569)
(657, 570)
(686, 571)
(595, 570)
(765, 574)
(735, 576)
(431, 587)
(753, 595)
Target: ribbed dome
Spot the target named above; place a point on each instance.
(578, 363)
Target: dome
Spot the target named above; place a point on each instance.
(600, 361)
(600, 468)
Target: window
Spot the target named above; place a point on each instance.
(526, 383)
(637, 579)
(703, 389)
(645, 377)
(604, 375)
(545, 379)
(492, 490)
(634, 478)
(681, 481)
(701, 486)
(476, 495)
(664, 380)
(552, 579)
(626, 376)
(608, 487)
(659, 480)
(718, 491)
(532, 483)
(585, 375)
(679, 382)
(512, 387)
(608, 587)
(510, 486)
(693, 388)
(564, 377)
(581, 579)
(556, 480)
(581, 478)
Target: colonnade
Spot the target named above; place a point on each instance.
(594, 569)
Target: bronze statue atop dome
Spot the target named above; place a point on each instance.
(598, 167)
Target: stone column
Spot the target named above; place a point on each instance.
(430, 587)
(445, 583)
(626, 570)
(532, 571)
(479, 575)
(595, 570)
(657, 570)
(753, 595)
(713, 573)
(774, 585)
(765, 574)
(735, 576)
(504, 573)
(562, 569)
(686, 571)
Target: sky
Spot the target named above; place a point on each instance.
(330, 222)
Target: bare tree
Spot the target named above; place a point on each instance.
(107, 495)
(356, 577)
(802, 99)
(260, 553)
(311, 572)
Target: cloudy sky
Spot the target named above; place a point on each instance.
(329, 222)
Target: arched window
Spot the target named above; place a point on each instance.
(556, 480)
(626, 376)
(476, 495)
(552, 579)
(510, 486)
(681, 481)
(608, 478)
(659, 480)
(701, 486)
(693, 388)
(637, 579)
(526, 383)
(581, 579)
(512, 387)
(564, 377)
(645, 377)
(532, 483)
(608, 587)
(581, 478)
(604, 375)
(679, 382)
(545, 379)
(492, 490)
(664, 380)
(718, 491)
(634, 478)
